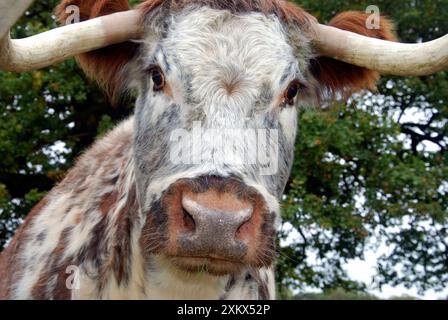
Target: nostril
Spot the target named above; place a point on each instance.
(244, 228)
(188, 220)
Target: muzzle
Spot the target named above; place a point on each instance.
(215, 224)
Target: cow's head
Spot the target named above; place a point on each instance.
(219, 83)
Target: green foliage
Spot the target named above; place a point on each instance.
(359, 174)
(38, 109)
(362, 173)
(105, 125)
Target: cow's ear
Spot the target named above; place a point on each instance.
(106, 65)
(340, 79)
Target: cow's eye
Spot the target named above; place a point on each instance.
(292, 92)
(157, 78)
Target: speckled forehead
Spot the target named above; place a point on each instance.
(213, 43)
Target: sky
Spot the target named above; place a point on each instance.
(363, 270)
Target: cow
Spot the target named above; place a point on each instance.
(144, 214)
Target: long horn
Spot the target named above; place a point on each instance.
(10, 12)
(386, 57)
(61, 43)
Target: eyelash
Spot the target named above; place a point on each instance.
(157, 77)
(291, 93)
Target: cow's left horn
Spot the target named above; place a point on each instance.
(386, 57)
(61, 43)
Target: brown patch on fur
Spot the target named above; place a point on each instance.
(112, 256)
(54, 268)
(61, 292)
(9, 262)
(39, 291)
(122, 241)
(231, 87)
(108, 202)
(77, 218)
(96, 251)
(168, 91)
(4, 274)
(338, 77)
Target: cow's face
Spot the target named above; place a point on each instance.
(216, 115)
(215, 131)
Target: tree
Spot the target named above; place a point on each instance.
(369, 170)
(364, 170)
(47, 118)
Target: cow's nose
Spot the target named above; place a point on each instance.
(215, 228)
